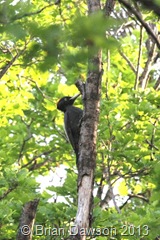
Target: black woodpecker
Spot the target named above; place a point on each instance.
(72, 120)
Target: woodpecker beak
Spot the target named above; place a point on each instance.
(75, 97)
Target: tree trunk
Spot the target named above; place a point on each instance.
(27, 220)
(87, 144)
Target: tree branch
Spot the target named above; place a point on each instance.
(157, 84)
(145, 74)
(144, 24)
(15, 185)
(25, 140)
(39, 165)
(129, 174)
(139, 58)
(10, 63)
(128, 61)
(39, 89)
(151, 4)
(34, 160)
(31, 13)
(139, 196)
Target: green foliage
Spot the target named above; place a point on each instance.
(43, 51)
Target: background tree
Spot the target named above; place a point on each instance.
(44, 50)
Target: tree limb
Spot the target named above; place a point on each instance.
(140, 19)
(25, 140)
(27, 219)
(157, 84)
(139, 196)
(33, 160)
(15, 185)
(145, 74)
(128, 61)
(139, 59)
(31, 13)
(150, 4)
(10, 63)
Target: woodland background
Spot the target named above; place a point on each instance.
(43, 51)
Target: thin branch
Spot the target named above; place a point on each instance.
(38, 156)
(8, 191)
(108, 169)
(25, 140)
(152, 5)
(150, 143)
(39, 89)
(139, 58)
(10, 63)
(128, 61)
(32, 62)
(100, 188)
(61, 134)
(139, 196)
(129, 174)
(39, 165)
(144, 76)
(126, 125)
(157, 84)
(31, 13)
(22, 147)
(125, 27)
(140, 19)
(108, 73)
(108, 197)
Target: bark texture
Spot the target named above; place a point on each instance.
(88, 136)
(27, 220)
(87, 145)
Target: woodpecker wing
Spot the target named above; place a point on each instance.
(72, 119)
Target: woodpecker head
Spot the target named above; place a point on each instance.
(64, 102)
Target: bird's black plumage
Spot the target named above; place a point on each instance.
(72, 120)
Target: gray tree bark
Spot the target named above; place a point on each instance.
(88, 136)
(27, 220)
